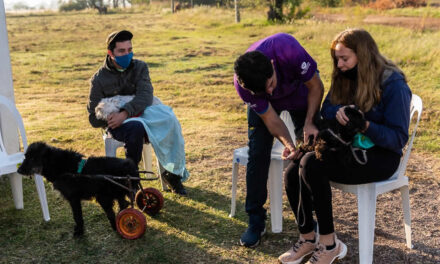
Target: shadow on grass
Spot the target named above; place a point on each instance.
(179, 235)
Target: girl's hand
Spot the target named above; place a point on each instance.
(341, 117)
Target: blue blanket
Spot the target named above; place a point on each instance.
(165, 135)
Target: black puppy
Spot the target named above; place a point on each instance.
(78, 179)
(336, 139)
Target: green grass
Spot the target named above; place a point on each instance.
(191, 57)
(428, 11)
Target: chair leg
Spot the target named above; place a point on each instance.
(404, 192)
(234, 188)
(276, 195)
(147, 158)
(160, 169)
(42, 195)
(17, 189)
(366, 217)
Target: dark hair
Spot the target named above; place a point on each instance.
(253, 69)
(120, 36)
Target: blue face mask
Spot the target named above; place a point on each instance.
(124, 61)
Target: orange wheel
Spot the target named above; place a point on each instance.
(149, 200)
(131, 223)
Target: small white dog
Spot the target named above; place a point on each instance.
(112, 104)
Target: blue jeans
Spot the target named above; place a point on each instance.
(133, 135)
(260, 146)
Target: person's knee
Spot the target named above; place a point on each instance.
(308, 168)
(135, 132)
(291, 176)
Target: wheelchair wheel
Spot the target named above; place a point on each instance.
(149, 200)
(131, 223)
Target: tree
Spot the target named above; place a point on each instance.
(275, 12)
(237, 11)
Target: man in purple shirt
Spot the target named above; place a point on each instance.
(275, 74)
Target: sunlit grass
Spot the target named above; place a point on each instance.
(190, 56)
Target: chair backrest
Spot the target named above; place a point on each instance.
(285, 116)
(4, 101)
(416, 106)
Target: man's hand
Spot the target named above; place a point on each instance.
(310, 130)
(115, 119)
(290, 153)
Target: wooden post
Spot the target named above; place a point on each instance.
(237, 11)
(9, 131)
(172, 6)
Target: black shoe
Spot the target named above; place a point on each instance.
(252, 237)
(257, 228)
(174, 182)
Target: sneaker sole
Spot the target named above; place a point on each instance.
(342, 254)
(298, 261)
(258, 242)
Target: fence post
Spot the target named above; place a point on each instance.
(237, 11)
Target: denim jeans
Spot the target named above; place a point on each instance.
(133, 135)
(260, 146)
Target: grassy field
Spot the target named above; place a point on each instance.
(190, 55)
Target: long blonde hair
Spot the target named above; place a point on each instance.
(371, 65)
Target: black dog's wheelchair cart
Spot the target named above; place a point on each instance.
(131, 223)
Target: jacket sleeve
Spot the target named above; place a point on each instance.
(96, 94)
(144, 92)
(392, 133)
(328, 110)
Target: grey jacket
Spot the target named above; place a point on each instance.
(108, 81)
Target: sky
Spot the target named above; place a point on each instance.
(31, 3)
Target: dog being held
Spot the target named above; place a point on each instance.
(78, 179)
(336, 139)
(113, 104)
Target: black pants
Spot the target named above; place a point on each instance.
(133, 135)
(315, 174)
(260, 146)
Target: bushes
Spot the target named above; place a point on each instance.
(73, 5)
(389, 4)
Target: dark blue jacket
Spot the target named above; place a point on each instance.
(389, 120)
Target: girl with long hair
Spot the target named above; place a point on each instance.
(362, 77)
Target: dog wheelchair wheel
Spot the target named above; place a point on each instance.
(131, 223)
(149, 200)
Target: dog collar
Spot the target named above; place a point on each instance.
(81, 165)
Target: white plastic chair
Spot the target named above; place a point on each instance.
(367, 194)
(276, 168)
(9, 163)
(111, 145)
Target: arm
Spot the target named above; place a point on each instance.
(316, 91)
(392, 131)
(144, 91)
(279, 130)
(95, 96)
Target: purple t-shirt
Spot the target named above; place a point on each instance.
(293, 66)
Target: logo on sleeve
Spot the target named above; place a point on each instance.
(305, 67)
(251, 105)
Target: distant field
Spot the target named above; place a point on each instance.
(190, 55)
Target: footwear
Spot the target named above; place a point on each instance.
(174, 182)
(256, 229)
(252, 237)
(299, 250)
(324, 256)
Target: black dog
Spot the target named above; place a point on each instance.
(78, 179)
(336, 139)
